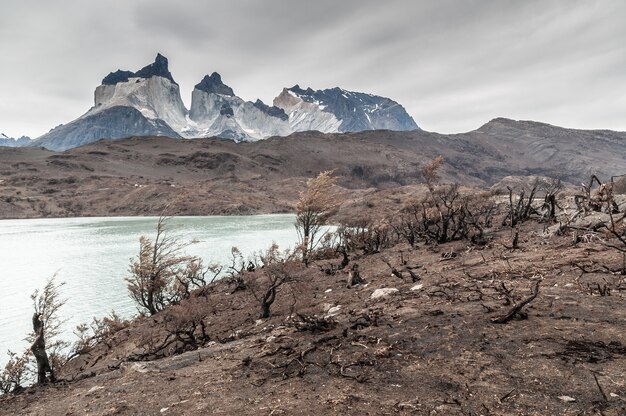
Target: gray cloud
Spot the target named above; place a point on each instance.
(453, 64)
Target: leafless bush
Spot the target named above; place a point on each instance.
(16, 372)
(184, 328)
(550, 200)
(522, 208)
(195, 275)
(278, 269)
(46, 348)
(616, 231)
(366, 235)
(445, 214)
(161, 275)
(97, 332)
(330, 245)
(597, 199)
(603, 200)
(235, 276)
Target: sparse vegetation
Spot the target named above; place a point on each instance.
(278, 270)
(445, 214)
(46, 347)
(97, 332)
(162, 275)
(15, 372)
(313, 209)
(384, 294)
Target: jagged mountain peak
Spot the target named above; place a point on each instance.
(296, 88)
(213, 84)
(149, 102)
(271, 111)
(159, 68)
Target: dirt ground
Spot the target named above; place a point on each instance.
(429, 348)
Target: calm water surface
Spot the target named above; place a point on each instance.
(92, 256)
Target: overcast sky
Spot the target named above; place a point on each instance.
(454, 65)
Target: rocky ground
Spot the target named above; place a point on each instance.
(424, 347)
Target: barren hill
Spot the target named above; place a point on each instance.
(140, 176)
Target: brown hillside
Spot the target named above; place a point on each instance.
(141, 176)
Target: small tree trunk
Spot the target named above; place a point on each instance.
(354, 277)
(345, 260)
(552, 203)
(268, 299)
(515, 245)
(305, 247)
(150, 301)
(39, 351)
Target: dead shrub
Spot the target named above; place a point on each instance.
(279, 268)
(161, 275)
(184, 328)
(16, 372)
(99, 331)
(446, 215)
(367, 235)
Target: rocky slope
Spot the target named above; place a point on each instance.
(148, 103)
(142, 176)
(145, 103)
(426, 348)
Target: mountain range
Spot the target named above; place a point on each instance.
(7, 141)
(148, 103)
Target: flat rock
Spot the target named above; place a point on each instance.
(95, 389)
(334, 311)
(384, 292)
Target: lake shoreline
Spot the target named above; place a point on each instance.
(92, 255)
(392, 345)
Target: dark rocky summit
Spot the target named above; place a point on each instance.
(271, 111)
(214, 84)
(117, 77)
(159, 68)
